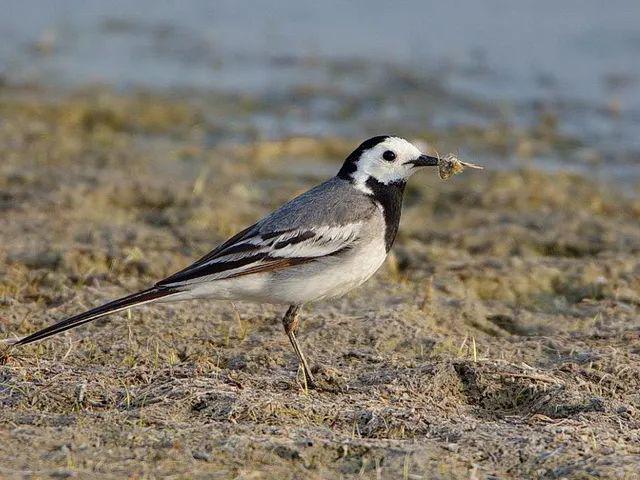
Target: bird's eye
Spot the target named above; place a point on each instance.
(389, 156)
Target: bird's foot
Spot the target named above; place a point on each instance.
(323, 379)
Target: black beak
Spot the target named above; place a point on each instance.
(424, 161)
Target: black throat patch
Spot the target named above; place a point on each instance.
(389, 197)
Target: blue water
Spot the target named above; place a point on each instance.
(580, 56)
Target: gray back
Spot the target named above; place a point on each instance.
(332, 203)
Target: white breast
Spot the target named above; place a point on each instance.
(329, 277)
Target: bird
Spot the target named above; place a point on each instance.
(319, 245)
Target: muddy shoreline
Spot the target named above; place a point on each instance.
(500, 340)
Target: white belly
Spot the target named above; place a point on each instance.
(324, 278)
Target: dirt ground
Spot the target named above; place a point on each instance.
(500, 340)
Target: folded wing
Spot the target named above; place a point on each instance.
(321, 222)
(255, 251)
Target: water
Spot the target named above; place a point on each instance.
(579, 57)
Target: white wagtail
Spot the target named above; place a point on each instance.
(319, 245)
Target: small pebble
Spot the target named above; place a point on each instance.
(205, 457)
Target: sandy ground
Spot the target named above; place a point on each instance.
(500, 340)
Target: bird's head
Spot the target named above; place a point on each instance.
(384, 159)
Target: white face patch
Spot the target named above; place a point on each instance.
(373, 164)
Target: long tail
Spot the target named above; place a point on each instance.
(124, 303)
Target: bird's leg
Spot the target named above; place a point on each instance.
(291, 322)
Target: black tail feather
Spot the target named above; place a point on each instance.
(129, 301)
